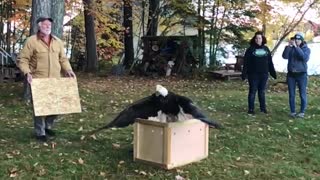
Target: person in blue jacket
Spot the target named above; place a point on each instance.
(257, 66)
(298, 54)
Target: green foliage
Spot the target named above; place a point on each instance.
(225, 22)
(108, 27)
(228, 23)
(176, 13)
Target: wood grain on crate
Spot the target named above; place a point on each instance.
(170, 145)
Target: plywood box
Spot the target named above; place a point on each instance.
(170, 145)
(53, 96)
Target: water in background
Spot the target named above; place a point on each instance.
(280, 64)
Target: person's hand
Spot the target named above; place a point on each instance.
(291, 43)
(294, 44)
(29, 78)
(70, 73)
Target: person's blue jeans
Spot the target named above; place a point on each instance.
(257, 82)
(302, 81)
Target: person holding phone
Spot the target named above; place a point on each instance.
(298, 54)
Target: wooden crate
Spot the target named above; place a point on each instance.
(170, 145)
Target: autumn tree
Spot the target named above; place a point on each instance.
(277, 24)
(108, 29)
(290, 23)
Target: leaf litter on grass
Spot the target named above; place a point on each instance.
(244, 148)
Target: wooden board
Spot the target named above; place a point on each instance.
(226, 74)
(53, 96)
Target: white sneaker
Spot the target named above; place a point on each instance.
(300, 115)
(293, 115)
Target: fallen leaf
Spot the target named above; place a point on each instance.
(14, 172)
(178, 177)
(102, 174)
(42, 171)
(121, 162)
(84, 151)
(142, 173)
(116, 146)
(9, 156)
(80, 129)
(93, 137)
(82, 137)
(246, 172)
(179, 171)
(16, 152)
(80, 161)
(53, 145)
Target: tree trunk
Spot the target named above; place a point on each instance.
(2, 14)
(153, 17)
(264, 19)
(200, 47)
(203, 50)
(39, 8)
(91, 46)
(212, 33)
(128, 35)
(8, 34)
(57, 14)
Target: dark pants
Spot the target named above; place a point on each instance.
(26, 91)
(257, 82)
(41, 123)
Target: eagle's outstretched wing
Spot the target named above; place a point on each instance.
(190, 108)
(142, 108)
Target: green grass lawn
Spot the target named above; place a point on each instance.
(271, 146)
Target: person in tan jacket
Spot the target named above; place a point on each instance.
(43, 56)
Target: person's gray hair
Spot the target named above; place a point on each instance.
(39, 24)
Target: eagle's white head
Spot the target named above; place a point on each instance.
(160, 90)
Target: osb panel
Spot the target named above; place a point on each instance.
(55, 96)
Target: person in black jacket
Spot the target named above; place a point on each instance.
(257, 66)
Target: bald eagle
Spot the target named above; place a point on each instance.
(162, 103)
